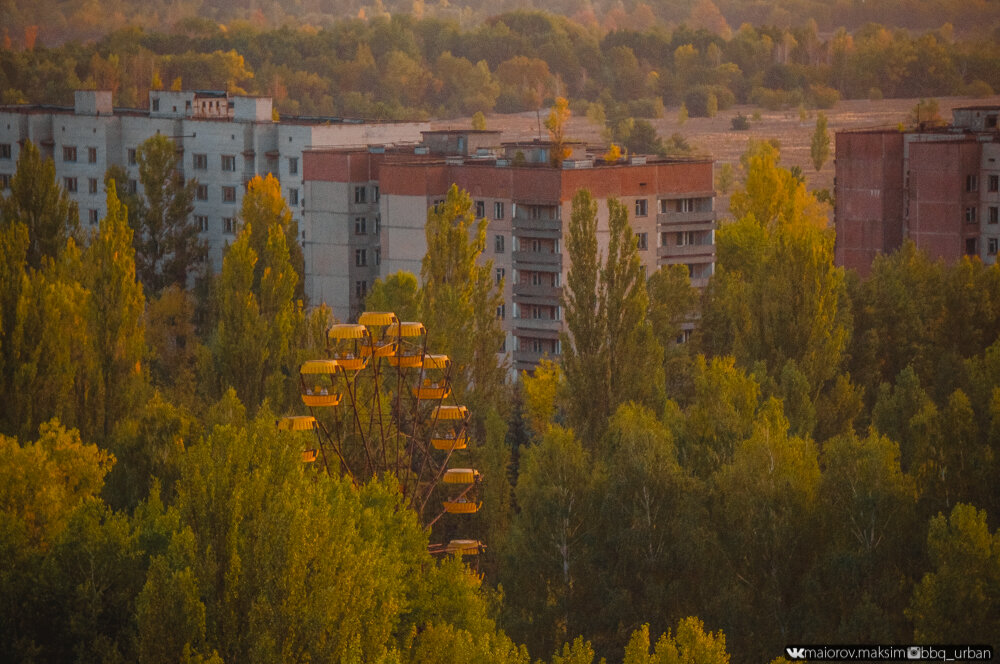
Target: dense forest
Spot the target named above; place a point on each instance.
(817, 463)
(402, 67)
(57, 21)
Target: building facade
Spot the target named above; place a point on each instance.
(224, 140)
(938, 186)
(527, 204)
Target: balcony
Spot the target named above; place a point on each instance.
(526, 360)
(524, 223)
(525, 260)
(537, 325)
(542, 291)
(674, 251)
(674, 218)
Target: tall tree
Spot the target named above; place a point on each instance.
(38, 201)
(819, 146)
(263, 208)
(583, 357)
(776, 294)
(460, 299)
(115, 317)
(256, 321)
(606, 305)
(168, 249)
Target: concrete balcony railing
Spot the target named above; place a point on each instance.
(527, 359)
(707, 250)
(671, 218)
(529, 290)
(540, 224)
(545, 324)
(524, 258)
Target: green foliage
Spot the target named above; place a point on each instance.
(459, 300)
(168, 249)
(606, 305)
(114, 320)
(819, 146)
(398, 293)
(958, 600)
(38, 201)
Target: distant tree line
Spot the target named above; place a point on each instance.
(400, 66)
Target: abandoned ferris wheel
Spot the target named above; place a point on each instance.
(378, 404)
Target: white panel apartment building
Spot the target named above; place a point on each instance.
(225, 141)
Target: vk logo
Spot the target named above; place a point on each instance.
(796, 653)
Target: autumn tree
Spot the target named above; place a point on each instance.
(556, 122)
(265, 208)
(114, 317)
(38, 201)
(757, 308)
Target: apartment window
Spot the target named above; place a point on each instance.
(272, 164)
(293, 165)
(360, 257)
(993, 246)
(4, 181)
(994, 214)
(92, 217)
(378, 224)
(480, 209)
(378, 256)
(228, 225)
(498, 210)
(91, 155)
(229, 194)
(5, 151)
(995, 183)
(663, 205)
(156, 105)
(498, 244)
(92, 185)
(361, 289)
(69, 184)
(376, 195)
(684, 238)
(641, 209)
(972, 183)
(293, 196)
(685, 205)
(502, 311)
(536, 278)
(438, 205)
(201, 193)
(69, 153)
(132, 187)
(360, 224)
(970, 246)
(500, 273)
(201, 162)
(642, 240)
(228, 162)
(131, 157)
(970, 215)
(360, 195)
(202, 222)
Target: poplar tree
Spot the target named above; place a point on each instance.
(819, 147)
(606, 304)
(115, 317)
(168, 248)
(460, 300)
(38, 201)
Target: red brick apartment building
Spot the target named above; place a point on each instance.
(365, 212)
(939, 187)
